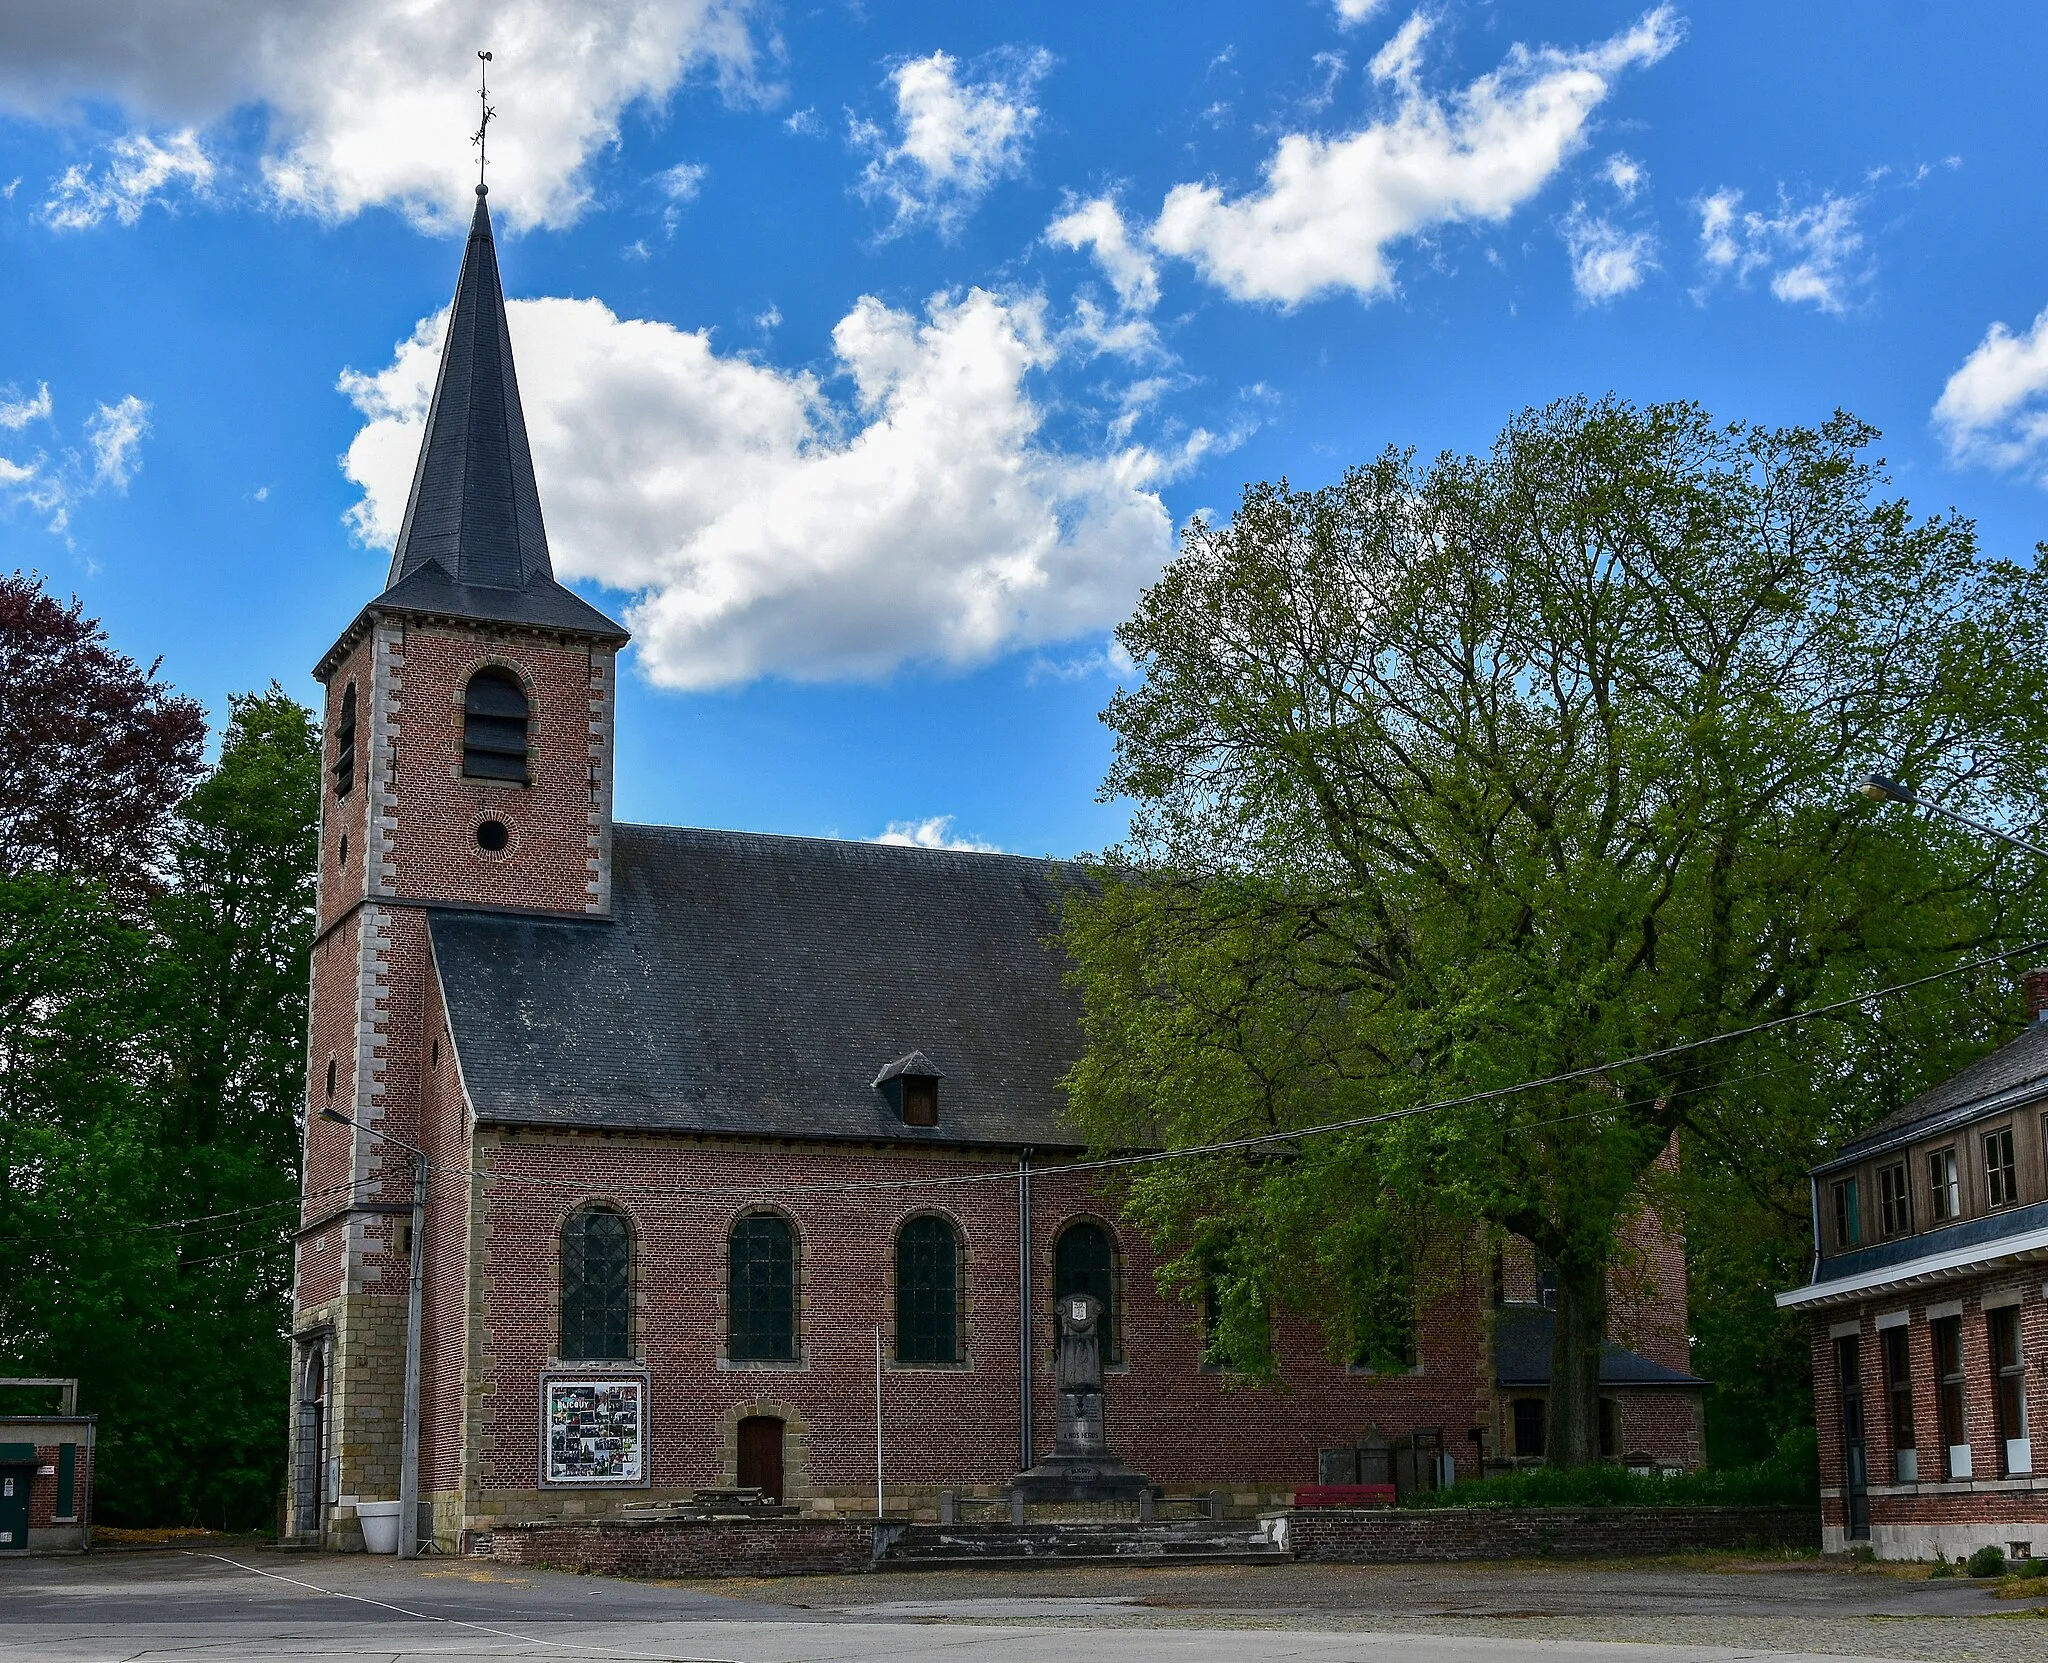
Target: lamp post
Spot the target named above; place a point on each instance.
(1880, 789)
(409, 1426)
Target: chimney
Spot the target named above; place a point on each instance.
(2036, 984)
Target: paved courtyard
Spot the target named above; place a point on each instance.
(225, 1603)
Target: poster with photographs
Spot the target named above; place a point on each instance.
(594, 1431)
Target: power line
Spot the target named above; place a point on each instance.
(1110, 1163)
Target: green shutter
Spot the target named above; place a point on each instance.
(67, 1481)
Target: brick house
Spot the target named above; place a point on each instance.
(720, 1126)
(1930, 1315)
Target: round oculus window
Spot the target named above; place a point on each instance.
(492, 836)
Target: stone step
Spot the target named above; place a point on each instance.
(1091, 1542)
(1061, 1561)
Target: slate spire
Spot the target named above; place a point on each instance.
(475, 508)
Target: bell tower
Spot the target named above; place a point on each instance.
(468, 715)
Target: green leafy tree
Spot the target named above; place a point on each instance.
(1453, 777)
(150, 1080)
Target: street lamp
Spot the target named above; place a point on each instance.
(1880, 789)
(409, 1427)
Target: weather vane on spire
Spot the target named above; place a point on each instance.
(483, 94)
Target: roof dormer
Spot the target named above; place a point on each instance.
(911, 1085)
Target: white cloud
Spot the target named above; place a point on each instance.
(51, 485)
(17, 412)
(1607, 261)
(935, 832)
(764, 528)
(1625, 174)
(116, 432)
(954, 141)
(681, 182)
(1131, 270)
(1994, 409)
(366, 102)
(1329, 209)
(133, 172)
(1810, 252)
(1351, 13)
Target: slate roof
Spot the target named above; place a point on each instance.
(473, 544)
(2014, 1071)
(754, 985)
(1522, 1340)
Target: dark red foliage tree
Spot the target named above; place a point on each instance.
(95, 752)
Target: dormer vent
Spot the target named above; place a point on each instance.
(911, 1085)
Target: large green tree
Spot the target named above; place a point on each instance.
(152, 1023)
(1451, 777)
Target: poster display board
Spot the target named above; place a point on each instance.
(594, 1431)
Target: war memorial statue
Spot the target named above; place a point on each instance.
(1081, 1466)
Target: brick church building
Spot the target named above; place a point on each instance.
(720, 1129)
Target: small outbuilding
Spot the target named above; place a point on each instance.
(46, 1475)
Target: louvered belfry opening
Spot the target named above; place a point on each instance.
(345, 743)
(597, 1286)
(494, 713)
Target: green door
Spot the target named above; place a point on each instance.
(14, 1509)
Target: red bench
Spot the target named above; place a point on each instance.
(1344, 1495)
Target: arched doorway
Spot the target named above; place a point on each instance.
(312, 1462)
(760, 1455)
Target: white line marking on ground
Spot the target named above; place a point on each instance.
(457, 1622)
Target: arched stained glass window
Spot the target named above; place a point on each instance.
(597, 1286)
(927, 1292)
(494, 712)
(762, 1309)
(1084, 1261)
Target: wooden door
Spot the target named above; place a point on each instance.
(761, 1456)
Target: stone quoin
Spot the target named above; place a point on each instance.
(711, 1118)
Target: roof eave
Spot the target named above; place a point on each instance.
(380, 608)
(2028, 1247)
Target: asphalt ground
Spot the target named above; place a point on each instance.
(222, 1603)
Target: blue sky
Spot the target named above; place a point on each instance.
(874, 353)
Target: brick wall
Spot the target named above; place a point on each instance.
(762, 1547)
(1392, 1536)
(1167, 1415)
(1934, 1515)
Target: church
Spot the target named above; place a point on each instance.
(740, 1160)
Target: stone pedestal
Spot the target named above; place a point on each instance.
(1082, 1466)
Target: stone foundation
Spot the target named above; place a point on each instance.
(693, 1547)
(1379, 1536)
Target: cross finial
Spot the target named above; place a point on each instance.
(483, 94)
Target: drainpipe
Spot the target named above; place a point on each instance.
(1026, 1440)
(1813, 1198)
(409, 1457)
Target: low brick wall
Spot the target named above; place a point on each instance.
(691, 1547)
(1368, 1536)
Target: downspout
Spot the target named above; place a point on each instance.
(409, 1431)
(1026, 1438)
(1813, 1199)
